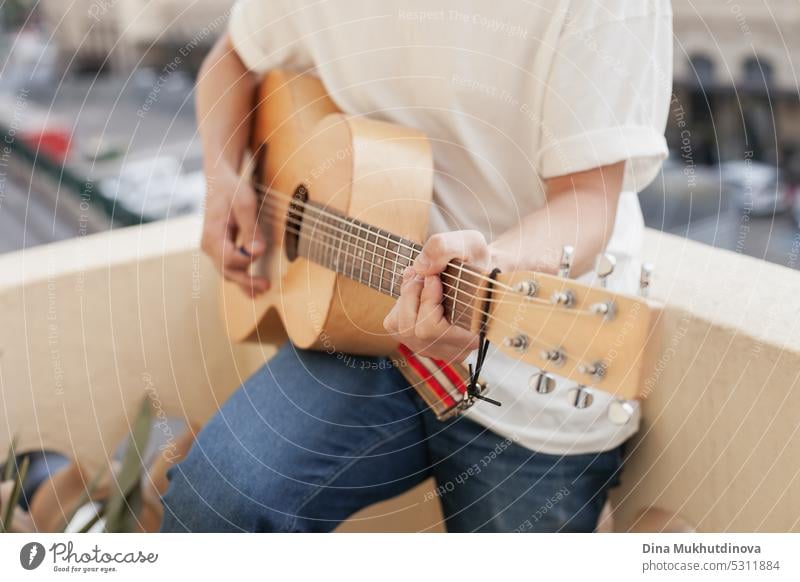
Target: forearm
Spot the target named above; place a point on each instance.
(580, 212)
(225, 99)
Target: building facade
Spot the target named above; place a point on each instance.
(735, 80)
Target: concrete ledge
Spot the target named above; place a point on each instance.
(720, 443)
(85, 323)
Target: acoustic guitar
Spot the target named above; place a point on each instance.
(344, 206)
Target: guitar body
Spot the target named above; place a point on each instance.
(379, 173)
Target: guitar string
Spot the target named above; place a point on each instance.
(457, 279)
(537, 301)
(339, 250)
(266, 190)
(398, 243)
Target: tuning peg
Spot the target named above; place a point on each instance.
(519, 342)
(645, 278)
(603, 267)
(565, 265)
(542, 383)
(620, 412)
(595, 370)
(556, 356)
(580, 397)
(527, 288)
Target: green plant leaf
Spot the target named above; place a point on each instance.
(11, 461)
(118, 509)
(15, 493)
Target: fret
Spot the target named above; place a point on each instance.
(391, 265)
(453, 315)
(337, 265)
(362, 252)
(314, 236)
(354, 271)
(332, 238)
(371, 232)
(397, 272)
(350, 254)
(383, 265)
(321, 230)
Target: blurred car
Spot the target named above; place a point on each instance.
(681, 193)
(796, 203)
(756, 187)
(156, 188)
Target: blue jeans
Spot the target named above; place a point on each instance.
(313, 437)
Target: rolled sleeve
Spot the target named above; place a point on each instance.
(607, 97)
(263, 36)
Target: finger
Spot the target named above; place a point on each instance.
(219, 244)
(431, 311)
(408, 303)
(245, 215)
(432, 291)
(468, 246)
(390, 321)
(234, 258)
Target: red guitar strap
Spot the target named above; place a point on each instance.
(449, 389)
(441, 385)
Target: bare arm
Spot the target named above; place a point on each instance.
(225, 98)
(580, 211)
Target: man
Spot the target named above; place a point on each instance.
(545, 120)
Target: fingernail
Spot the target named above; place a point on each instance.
(422, 263)
(408, 272)
(257, 246)
(244, 251)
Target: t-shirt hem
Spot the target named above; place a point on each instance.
(641, 145)
(562, 443)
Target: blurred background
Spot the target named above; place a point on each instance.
(97, 121)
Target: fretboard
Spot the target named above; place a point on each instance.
(377, 258)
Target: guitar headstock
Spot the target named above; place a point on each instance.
(585, 333)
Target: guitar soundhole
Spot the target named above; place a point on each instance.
(294, 222)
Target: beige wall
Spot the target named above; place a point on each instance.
(92, 324)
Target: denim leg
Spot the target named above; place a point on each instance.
(488, 483)
(307, 441)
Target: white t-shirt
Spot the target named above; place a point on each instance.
(509, 93)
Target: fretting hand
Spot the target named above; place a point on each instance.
(418, 319)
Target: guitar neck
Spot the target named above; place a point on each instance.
(377, 258)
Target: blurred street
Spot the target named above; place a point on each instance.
(119, 122)
(112, 132)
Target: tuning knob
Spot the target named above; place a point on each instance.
(645, 278)
(596, 370)
(542, 383)
(563, 298)
(604, 265)
(565, 264)
(580, 397)
(555, 357)
(527, 288)
(519, 342)
(620, 412)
